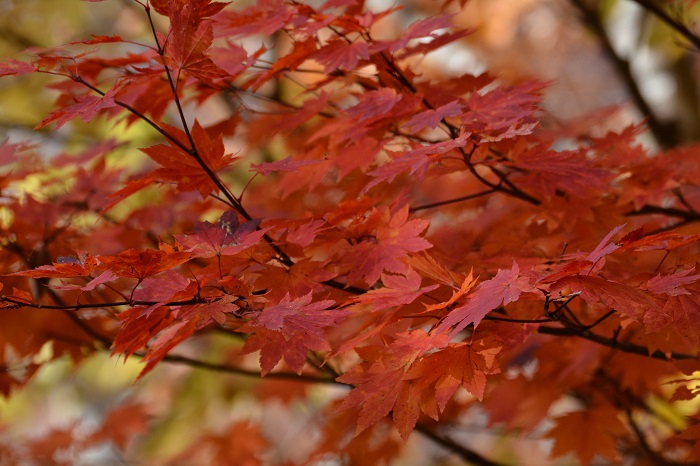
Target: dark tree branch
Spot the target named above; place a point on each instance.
(687, 216)
(198, 364)
(660, 131)
(658, 11)
(612, 343)
(470, 456)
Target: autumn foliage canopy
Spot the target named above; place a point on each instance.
(402, 250)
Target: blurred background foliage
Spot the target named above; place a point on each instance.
(611, 59)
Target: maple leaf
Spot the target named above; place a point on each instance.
(105, 277)
(396, 237)
(172, 286)
(287, 329)
(233, 58)
(97, 40)
(378, 380)
(375, 112)
(432, 117)
(666, 240)
(14, 67)
(273, 347)
(673, 284)
(66, 267)
(186, 320)
(183, 168)
(141, 264)
(195, 9)
(227, 237)
(398, 290)
(425, 27)
(506, 287)
(437, 41)
(304, 277)
(272, 124)
(503, 112)
(302, 316)
(468, 283)
(265, 18)
(447, 369)
(680, 312)
(547, 172)
(130, 188)
(85, 107)
(304, 234)
(339, 54)
(162, 328)
(415, 161)
(190, 37)
(603, 248)
(587, 434)
(430, 268)
(374, 103)
(519, 403)
(138, 328)
(624, 298)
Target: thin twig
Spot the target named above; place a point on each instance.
(451, 201)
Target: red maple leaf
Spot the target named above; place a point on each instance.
(135, 263)
(339, 54)
(393, 239)
(86, 107)
(431, 118)
(105, 277)
(503, 112)
(378, 380)
(183, 168)
(397, 291)
(172, 286)
(66, 267)
(196, 9)
(457, 365)
(506, 287)
(587, 433)
(265, 18)
(14, 67)
(415, 161)
(227, 237)
(422, 28)
(190, 37)
(673, 284)
(287, 329)
(547, 172)
(624, 298)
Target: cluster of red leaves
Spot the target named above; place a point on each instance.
(410, 246)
